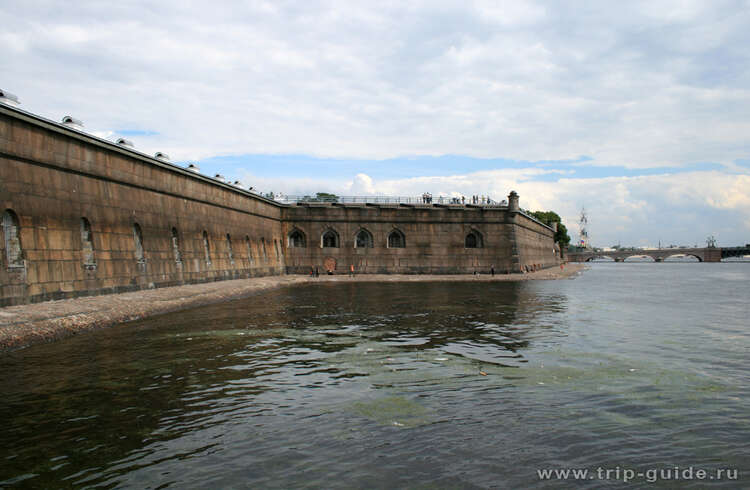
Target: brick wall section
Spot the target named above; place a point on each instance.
(535, 243)
(435, 239)
(52, 176)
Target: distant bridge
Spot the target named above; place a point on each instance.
(727, 252)
(709, 254)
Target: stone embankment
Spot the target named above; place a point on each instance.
(25, 325)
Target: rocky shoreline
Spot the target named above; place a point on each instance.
(25, 325)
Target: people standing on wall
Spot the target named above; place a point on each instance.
(492, 270)
(351, 270)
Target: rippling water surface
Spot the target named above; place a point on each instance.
(455, 385)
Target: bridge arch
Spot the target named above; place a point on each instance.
(639, 256)
(599, 257)
(700, 259)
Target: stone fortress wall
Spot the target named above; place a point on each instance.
(415, 239)
(84, 216)
(144, 219)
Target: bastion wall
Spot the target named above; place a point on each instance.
(433, 239)
(51, 178)
(84, 216)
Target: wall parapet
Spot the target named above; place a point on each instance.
(86, 216)
(91, 139)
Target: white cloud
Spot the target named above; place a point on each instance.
(680, 208)
(362, 185)
(639, 84)
(508, 13)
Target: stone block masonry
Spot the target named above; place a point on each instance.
(94, 218)
(430, 239)
(83, 216)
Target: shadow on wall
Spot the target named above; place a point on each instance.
(91, 262)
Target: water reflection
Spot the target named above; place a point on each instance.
(112, 398)
(382, 385)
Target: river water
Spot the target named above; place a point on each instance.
(630, 366)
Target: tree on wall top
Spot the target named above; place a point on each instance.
(322, 197)
(549, 217)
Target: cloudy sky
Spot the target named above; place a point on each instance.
(639, 111)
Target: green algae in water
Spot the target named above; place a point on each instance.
(397, 411)
(381, 386)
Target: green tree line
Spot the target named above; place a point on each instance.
(549, 217)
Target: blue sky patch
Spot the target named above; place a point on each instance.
(301, 166)
(136, 132)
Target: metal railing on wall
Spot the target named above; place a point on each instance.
(445, 200)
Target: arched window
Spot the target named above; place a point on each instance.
(138, 239)
(396, 239)
(87, 242)
(473, 240)
(229, 249)
(12, 234)
(176, 246)
(297, 239)
(249, 250)
(363, 239)
(330, 239)
(206, 248)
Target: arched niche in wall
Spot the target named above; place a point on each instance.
(12, 239)
(330, 239)
(138, 241)
(230, 252)
(87, 243)
(363, 239)
(297, 239)
(396, 239)
(176, 246)
(206, 248)
(473, 240)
